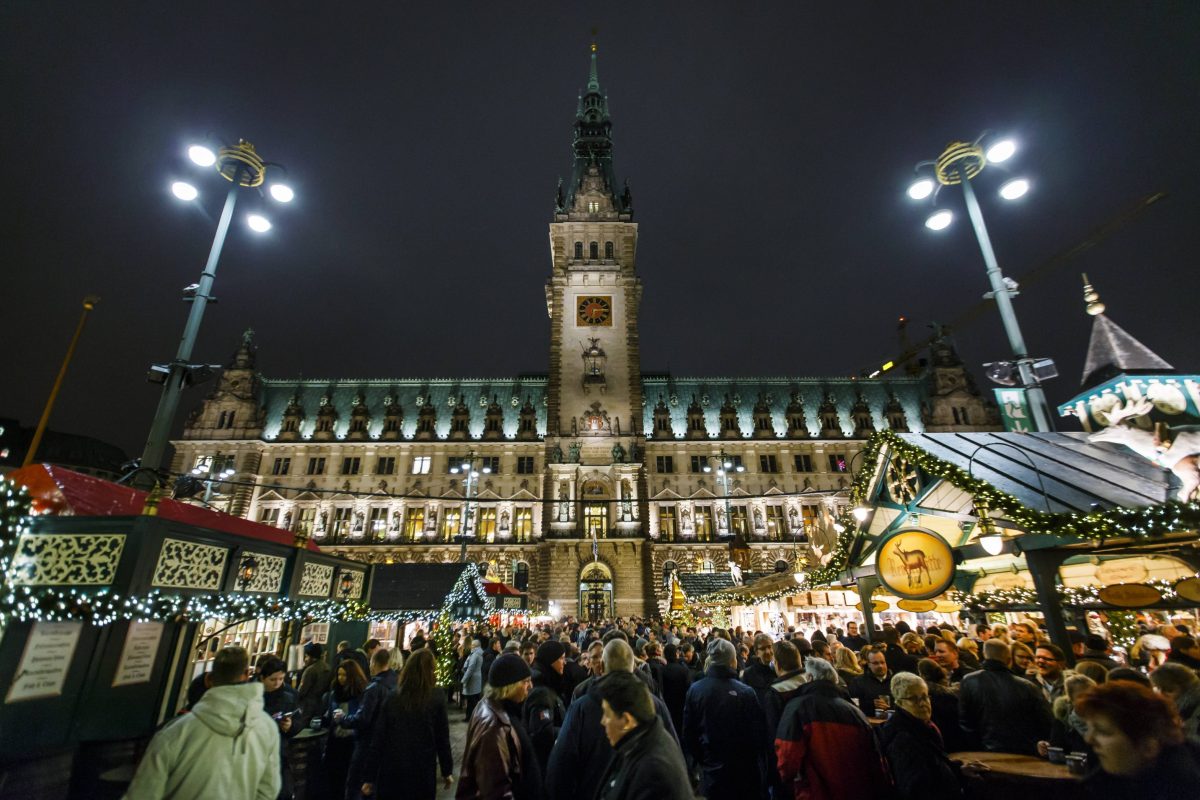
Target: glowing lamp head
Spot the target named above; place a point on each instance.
(992, 544)
(282, 192)
(1014, 189)
(800, 577)
(740, 468)
(939, 220)
(201, 155)
(861, 513)
(258, 223)
(707, 468)
(487, 470)
(184, 191)
(1001, 151)
(921, 189)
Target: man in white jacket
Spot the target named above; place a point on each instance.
(227, 747)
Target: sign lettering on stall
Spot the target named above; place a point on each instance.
(137, 656)
(915, 564)
(45, 662)
(1127, 570)
(1130, 595)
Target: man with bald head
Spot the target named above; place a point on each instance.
(1004, 713)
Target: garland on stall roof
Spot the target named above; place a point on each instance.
(1024, 597)
(1138, 522)
(15, 507)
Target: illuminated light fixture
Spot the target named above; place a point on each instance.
(1001, 151)
(486, 471)
(1014, 189)
(921, 189)
(346, 584)
(258, 223)
(282, 192)
(184, 191)
(799, 576)
(247, 570)
(861, 513)
(202, 155)
(839, 527)
(888, 366)
(939, 220)
(993, 543)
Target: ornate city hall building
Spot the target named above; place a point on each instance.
(586, 482)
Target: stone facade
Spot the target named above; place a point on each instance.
(588, 483)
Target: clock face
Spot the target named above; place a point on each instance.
(594, 311)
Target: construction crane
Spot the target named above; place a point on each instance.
(909, 352)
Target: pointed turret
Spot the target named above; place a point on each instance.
(593, 187)
(1111, 350)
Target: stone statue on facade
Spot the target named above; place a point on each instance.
(556, 455)
(618, 454)
(573, 453)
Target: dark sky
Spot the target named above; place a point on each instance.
(768, 147)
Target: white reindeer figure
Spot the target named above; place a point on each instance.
(1179, 456)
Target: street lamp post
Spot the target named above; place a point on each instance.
(243, 168)
(725, 465)
(467, 465)
(959, 164)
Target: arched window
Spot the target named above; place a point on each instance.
(781, 566)
(608, 250)
(594, 250)
(579, 251)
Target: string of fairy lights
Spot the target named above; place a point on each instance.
(104, 606)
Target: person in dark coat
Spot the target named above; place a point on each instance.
(1068, 730)
(1005, 713)
(362, 720)
(498, 759)
(898, 660)
(1138, 740)
(344, 651)
(343, 698)
(546, 707)
(281, 702)
(491, 651)
(581, 754)
(824, 746)
(759, 674)
(790, 678)
(411, 737)
(724, 729)
(945, 706)
(676, 678)
(647, 763)
(314, 682)
(913, 746)
(872, 689)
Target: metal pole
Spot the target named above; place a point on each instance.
(164, 416)
(462, 554)
(1008, 316)
(89, 303)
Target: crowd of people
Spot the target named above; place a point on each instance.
(637, 709)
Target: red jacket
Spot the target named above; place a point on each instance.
(826, 750)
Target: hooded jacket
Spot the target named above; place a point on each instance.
(724, 735)
(227, 747)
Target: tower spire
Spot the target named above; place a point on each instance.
(594, 75)
(593, 173)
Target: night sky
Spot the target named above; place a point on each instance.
(768, 147)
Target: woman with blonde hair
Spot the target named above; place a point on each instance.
(968, 644)
(846, 664)
(1001, 632)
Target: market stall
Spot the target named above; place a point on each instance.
(942, 518)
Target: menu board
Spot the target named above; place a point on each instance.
(45, 662)
(137, 656)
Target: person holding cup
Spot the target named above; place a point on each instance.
(872, 689)
(1067, 731)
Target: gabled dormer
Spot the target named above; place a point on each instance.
(293, 418)
(327, 417)
(860, 415)
(460, 420)
(696, 428)
(527, 422)
(360, 418)
(426, 422)
(662, 421)
(393, 418)
(764, 428)
(232, 410)
(493, 421)
(831, 425)
(893, 412)
(729, 420)
(797, 424)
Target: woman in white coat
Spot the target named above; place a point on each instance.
(472, 680)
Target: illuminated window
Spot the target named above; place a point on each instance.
(341, 521)
(305, 520)
(487, 524)
(414, 523)
(451, 522)
(378, 522)
(666, 523)
(837, 462)
(420, 465)
(523, 523)
(739, 519)
(703, 521)
(774, 521)
(269, 516)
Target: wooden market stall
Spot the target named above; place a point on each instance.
(115, 600)
(1049, 518)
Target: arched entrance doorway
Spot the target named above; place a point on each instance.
(595, 592)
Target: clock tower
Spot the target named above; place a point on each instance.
(594, 485)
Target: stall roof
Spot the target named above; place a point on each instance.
(1077, 475)
(698, 584)
(63, 492)
(414, 587)
(496, 588)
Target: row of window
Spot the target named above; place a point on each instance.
(488, 525)
(594, 250)
(386, 465)
(801, 462)
(700, 523)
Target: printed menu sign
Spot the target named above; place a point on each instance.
(137, 657)
(45, 662)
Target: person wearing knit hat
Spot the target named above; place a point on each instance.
(546, 707)
(498, 755)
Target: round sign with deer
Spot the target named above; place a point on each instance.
(915, 564)
(903, 481)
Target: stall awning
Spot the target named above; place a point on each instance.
(423, 587)
(63, 492)
(498, 589)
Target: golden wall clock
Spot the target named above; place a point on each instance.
(594, 311)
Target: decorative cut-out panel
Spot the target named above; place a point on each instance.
(81, 559)
(189, 565)
(356, 584)
(316, 580)
(268, 575)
